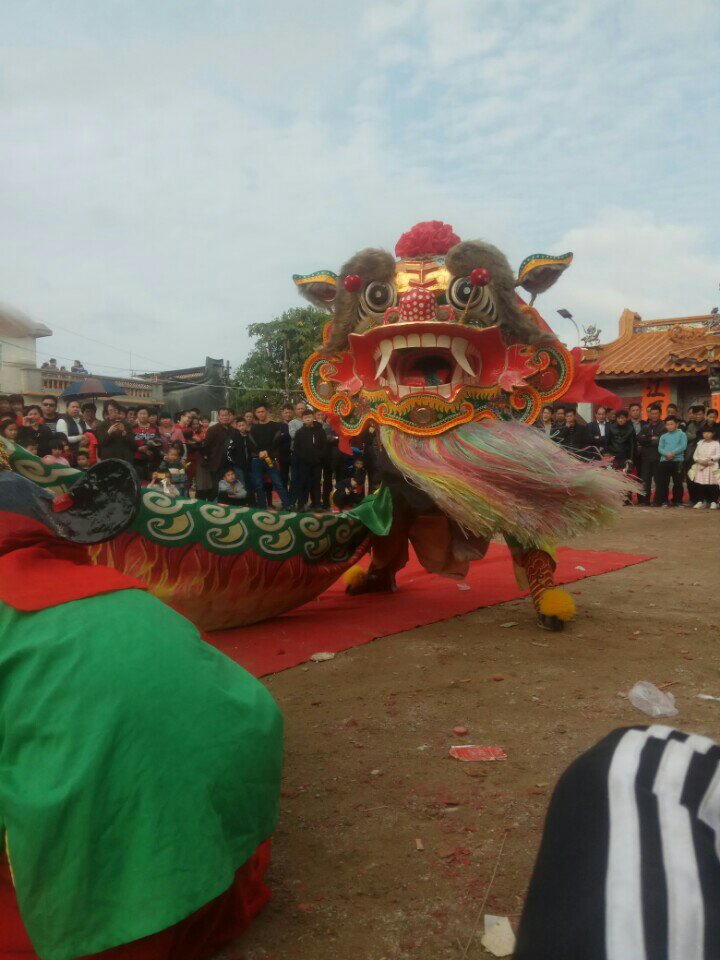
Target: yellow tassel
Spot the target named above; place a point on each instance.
(557, 603)
(354, 576)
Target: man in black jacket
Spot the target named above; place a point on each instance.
(693, 431)
(620, 441)
(598, 429)
(621, 445)
(240, 453)
(635, 418)
(575, 437)
(649, 454)
(309, 448)
(285, 445)
(216, 444)
(268, 439)
(116, 440)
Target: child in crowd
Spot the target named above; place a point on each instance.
(671, 447)
(161, 481)
(57, 454)
(309, 448)
(9, 429)
(89, 445)
(174, 466)
(32, 448)
(705, 471)
(351, 491)
(230, 490)
(82, 460)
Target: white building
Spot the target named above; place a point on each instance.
(19, 334)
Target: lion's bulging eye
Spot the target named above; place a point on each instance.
(379, 295)
(460, 291)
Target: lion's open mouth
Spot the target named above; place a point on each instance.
(425, 363)
(435, 358)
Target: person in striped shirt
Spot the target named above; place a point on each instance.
(628, 866)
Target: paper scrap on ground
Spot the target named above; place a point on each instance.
(320, 657)
(463, 586)
(510, 623)
(470, 752)
(498, 939)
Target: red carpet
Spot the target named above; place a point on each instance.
(336, 621)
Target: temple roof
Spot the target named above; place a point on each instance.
(680, 345)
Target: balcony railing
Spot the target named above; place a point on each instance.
(57, 381)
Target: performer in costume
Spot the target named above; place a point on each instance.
(139, 767)
(629, 866)
(435, 347)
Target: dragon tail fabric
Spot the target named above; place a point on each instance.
(497, 476)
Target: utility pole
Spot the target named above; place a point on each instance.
(287, 371)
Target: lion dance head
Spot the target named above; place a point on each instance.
(434, 346)
(434, 336)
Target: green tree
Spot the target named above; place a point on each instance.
(272, 371)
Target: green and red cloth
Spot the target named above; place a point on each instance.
(139, 767)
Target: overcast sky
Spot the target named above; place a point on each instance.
(166, 165)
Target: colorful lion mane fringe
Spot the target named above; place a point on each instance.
(496, 476)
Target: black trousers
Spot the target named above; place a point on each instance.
(308, 484)
(649, 464)
(284, 468)
(669, 471)
(707, 492)
(346, 497)
(217, 476)
(329, 473)
(627, 867)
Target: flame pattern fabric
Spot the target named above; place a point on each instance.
(225, 566)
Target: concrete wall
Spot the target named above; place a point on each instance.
(17, 355)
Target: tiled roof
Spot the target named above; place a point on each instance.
(676, 345)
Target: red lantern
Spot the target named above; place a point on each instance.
(479, 277)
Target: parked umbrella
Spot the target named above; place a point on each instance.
(91, 387)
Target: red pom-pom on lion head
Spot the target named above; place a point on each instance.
(426, 239)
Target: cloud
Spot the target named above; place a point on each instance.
(172, 164)
(626, 259)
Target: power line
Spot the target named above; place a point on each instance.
(158, 380)
(101, 343)
(58, 356)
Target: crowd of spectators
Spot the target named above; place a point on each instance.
(295, 461)
(677, 461)
(242, 459)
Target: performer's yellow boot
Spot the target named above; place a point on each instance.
(554, 605)
(534, 570)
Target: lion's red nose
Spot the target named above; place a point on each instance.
(416, 306)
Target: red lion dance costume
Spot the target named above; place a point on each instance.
(436, 349)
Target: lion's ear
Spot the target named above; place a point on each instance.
(540, 271)
(319, 288)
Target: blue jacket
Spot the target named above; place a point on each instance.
(674, 442)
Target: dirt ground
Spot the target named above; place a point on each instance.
(387, 845)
